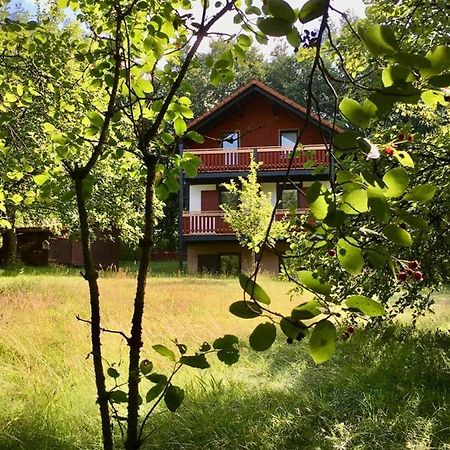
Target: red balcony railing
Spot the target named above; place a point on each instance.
(207, 223)
(271, 158)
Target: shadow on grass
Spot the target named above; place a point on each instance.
(381, 391)
(385, 391)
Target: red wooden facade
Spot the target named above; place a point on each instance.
(254, 122)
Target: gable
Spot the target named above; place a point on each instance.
(258, 113)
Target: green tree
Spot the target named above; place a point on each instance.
(251, 211)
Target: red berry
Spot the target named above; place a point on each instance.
(350, 329)
(410, 138)
(418, 276)
(389, 150)
(402, 276)
(413, 265)
(332, 252)
(409, 272)
(401, 137)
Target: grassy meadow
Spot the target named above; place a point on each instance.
(383, 390)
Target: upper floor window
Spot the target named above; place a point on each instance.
(230, 139)
(288, 138)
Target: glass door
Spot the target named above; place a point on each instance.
(230, 143)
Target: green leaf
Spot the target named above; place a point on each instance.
(393, 74)
(411, 219)
(312, 9)
(157, 378)
(396, 181)
(112, 372)
(432, 98)
(306, 311)
(411, 60)
(421, 193)
(11, 98)
(254, 290)
(144, 85)
(354, 112)
(288, 328)
(315, 197)
(118, 396)
(273, 26)
(173, 397)
(244, 40)
(197, 361)
(322, 343)
(366, 305)
(346, 141)
(294, 38)
(164, 351)
(354, 202)
(377, 256)
(245, 310)
(145, 367)
(228, 356)
(162, 192)
(179, 126)
(379, 40)
(378, 204)
(439, 58)
(263, 336)
(227, 341)
(16, 198)
(167, 138)
(440, 81)
(404, 158)
(95, 118)
(155, 392)
(41, 178)
(281, 10)
(312, 282)
(196, 137)
(350, 255)
(397, 235)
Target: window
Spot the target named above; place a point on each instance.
(288, 138)
(226, 263)
(230, 264)
(230, 142)
(208, 264)
(289, 199)
(230, 139)
(227, 198)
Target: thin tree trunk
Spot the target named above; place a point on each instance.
(132, 442)
(91, 276)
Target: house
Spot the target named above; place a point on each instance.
(254, 120)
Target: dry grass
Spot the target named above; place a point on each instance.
(395, 382)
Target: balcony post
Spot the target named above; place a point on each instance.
(255, 154)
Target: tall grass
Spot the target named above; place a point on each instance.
(382, 391)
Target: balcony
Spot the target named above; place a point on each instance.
(271, 158)
(213, 223)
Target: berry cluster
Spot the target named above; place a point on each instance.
(411, 270)
(348, 333)
(401, 138)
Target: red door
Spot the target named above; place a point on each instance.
(210, 201)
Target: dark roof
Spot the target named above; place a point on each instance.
(258, 86)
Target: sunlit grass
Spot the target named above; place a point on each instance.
(383, 391)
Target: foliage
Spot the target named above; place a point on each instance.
(251, 214)
(358, 250)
